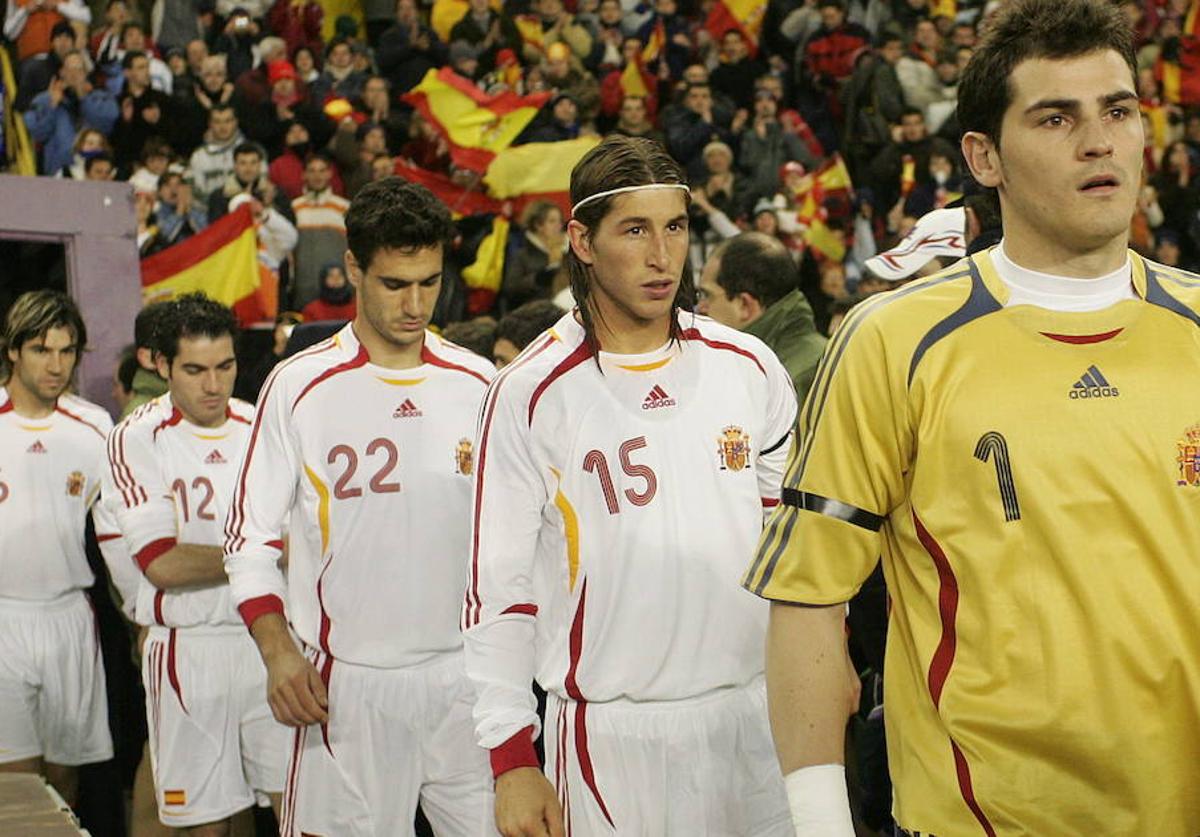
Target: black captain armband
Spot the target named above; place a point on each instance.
(832, 508)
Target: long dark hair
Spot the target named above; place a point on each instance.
(617, 162)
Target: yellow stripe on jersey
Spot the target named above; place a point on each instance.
(402, 382)
(322, 506)
(35, 428)
(648, 367)
(570, 530)
(211, 438)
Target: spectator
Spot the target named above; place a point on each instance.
(750, 283)
(64, 108)
(237, 40)
(196, 52)
(133, 39)
(249, 171)
(727, 190)
(1178, 189)
(145, 112)
(916, 69)
(30, 25)
(375, 104)
(256, 9)
(276, 235)
(827, 58)
(737, 72)
(520, 327)
(677, 48)
(176, 23)
(215, 89)
(557, 26)
(286, 105)
(693, 127)
(464, 60)
(177, 215)
(873, 102)
(766, 146)
(355, 148)
(298, 23)
(250, 383)
(477, 334)
(212, 162)
(254, 85)
(88, 141)
(287, 170)
(529, 272)
(905, 162)
(564, 73)
(151, 166)
(99, 167)
(321, 226)
(382, 166)
(634, 120)
(408, 49)
(305, 62)
(37, 72)
(489, 31)
(339, 79)
(335, 295)
(105, 43)
(613, 86)
(559, 120)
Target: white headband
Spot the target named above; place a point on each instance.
(605, 194)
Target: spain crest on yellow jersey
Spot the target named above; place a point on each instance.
(733, 448)
(464, 457)
(1189, 457)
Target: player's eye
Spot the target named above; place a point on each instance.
(1119, 113)
(1055, 120)
(634, 231)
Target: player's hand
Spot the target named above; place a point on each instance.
(295, 693)
(526, 805)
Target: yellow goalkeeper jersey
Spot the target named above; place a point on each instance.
(1031, 479)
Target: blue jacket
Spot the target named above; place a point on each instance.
(55, 127)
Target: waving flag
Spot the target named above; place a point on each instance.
(476, 125)
(222, 262)
(537, 171)
(744, 15)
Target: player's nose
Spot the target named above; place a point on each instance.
(658, 256)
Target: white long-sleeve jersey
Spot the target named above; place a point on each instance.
(170, 481)
(368, 469)
(615, 508)
(49, 476)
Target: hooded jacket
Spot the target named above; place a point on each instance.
(789, 329)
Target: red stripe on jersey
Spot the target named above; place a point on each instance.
(277, 544)
(158, 603)
(326, 623)
(131, 492)
(1083, 339)
(106, 538)
(6, 407)
(527, 609)
(575, 647)
(326, 673)
(433, 360)
(943, 656)
(582, 352)
(585, 759)
(770, 502)
(252, 609)
(473, 607)
(230, 414)
(694, 334)
(82, 421)
(152, 551)
(172, 420)
(355, 362)
(233, 523)
(963, 770)
(172, 673)
(516, 751)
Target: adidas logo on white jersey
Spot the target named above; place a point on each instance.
(657, 398)
(36, 447)
(215, 458)
(407, 410)
(1093, 384)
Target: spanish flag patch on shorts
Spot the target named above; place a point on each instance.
(175, 797)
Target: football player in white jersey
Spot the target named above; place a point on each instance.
(53, 709)
(172, 464)
(625, 459)
(361, 453)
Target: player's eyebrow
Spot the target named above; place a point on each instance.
(642, 221)
(1073, 105)
(435, 275)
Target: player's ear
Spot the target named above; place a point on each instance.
(983, 158)
(161, 364)
(354, 273)
(581, 243)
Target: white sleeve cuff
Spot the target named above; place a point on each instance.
(819, 802)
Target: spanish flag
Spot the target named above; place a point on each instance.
(220, 261)
(743, 15)
(446, 13)
(537, 171)
(530, 27)
(655, 43)
(459, 200)
(15, 145)
(832, 180)
(484, 241)
(476, 125)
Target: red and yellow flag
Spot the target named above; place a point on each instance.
(655, 43)
(220, 261)
(743, 15)
(537, 171)
(476, 125)
(530, 27)
(832, 180)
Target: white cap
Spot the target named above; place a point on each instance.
(941, 232)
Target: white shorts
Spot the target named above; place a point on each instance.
(703, 766)
(52, 692)
(394, 737)
(213, 740)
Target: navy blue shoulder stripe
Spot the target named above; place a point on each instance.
(979, 304)
(1155, 295)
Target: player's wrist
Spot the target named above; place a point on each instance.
(819, 802)
(517, 751)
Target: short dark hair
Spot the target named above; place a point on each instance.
(523, 324)
(192, 315)
(396, 214)
(911, 111)
(757, 264)
(146, 323)
(127, 368)
(130, 57)
(222, 107)
(90, 161)
(248, 147)
(1026, 29)
(477, 334)
(32, 316)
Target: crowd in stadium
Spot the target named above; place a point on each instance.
(297, 104)
(827, 125)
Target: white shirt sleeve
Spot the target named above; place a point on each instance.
(114, 549)
(142, 502)
(780, 428)
(499, 611)
(262, 498)
(14, 20)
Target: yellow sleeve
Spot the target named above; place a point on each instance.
(845, 472)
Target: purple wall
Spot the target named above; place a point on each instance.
(96, 223)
